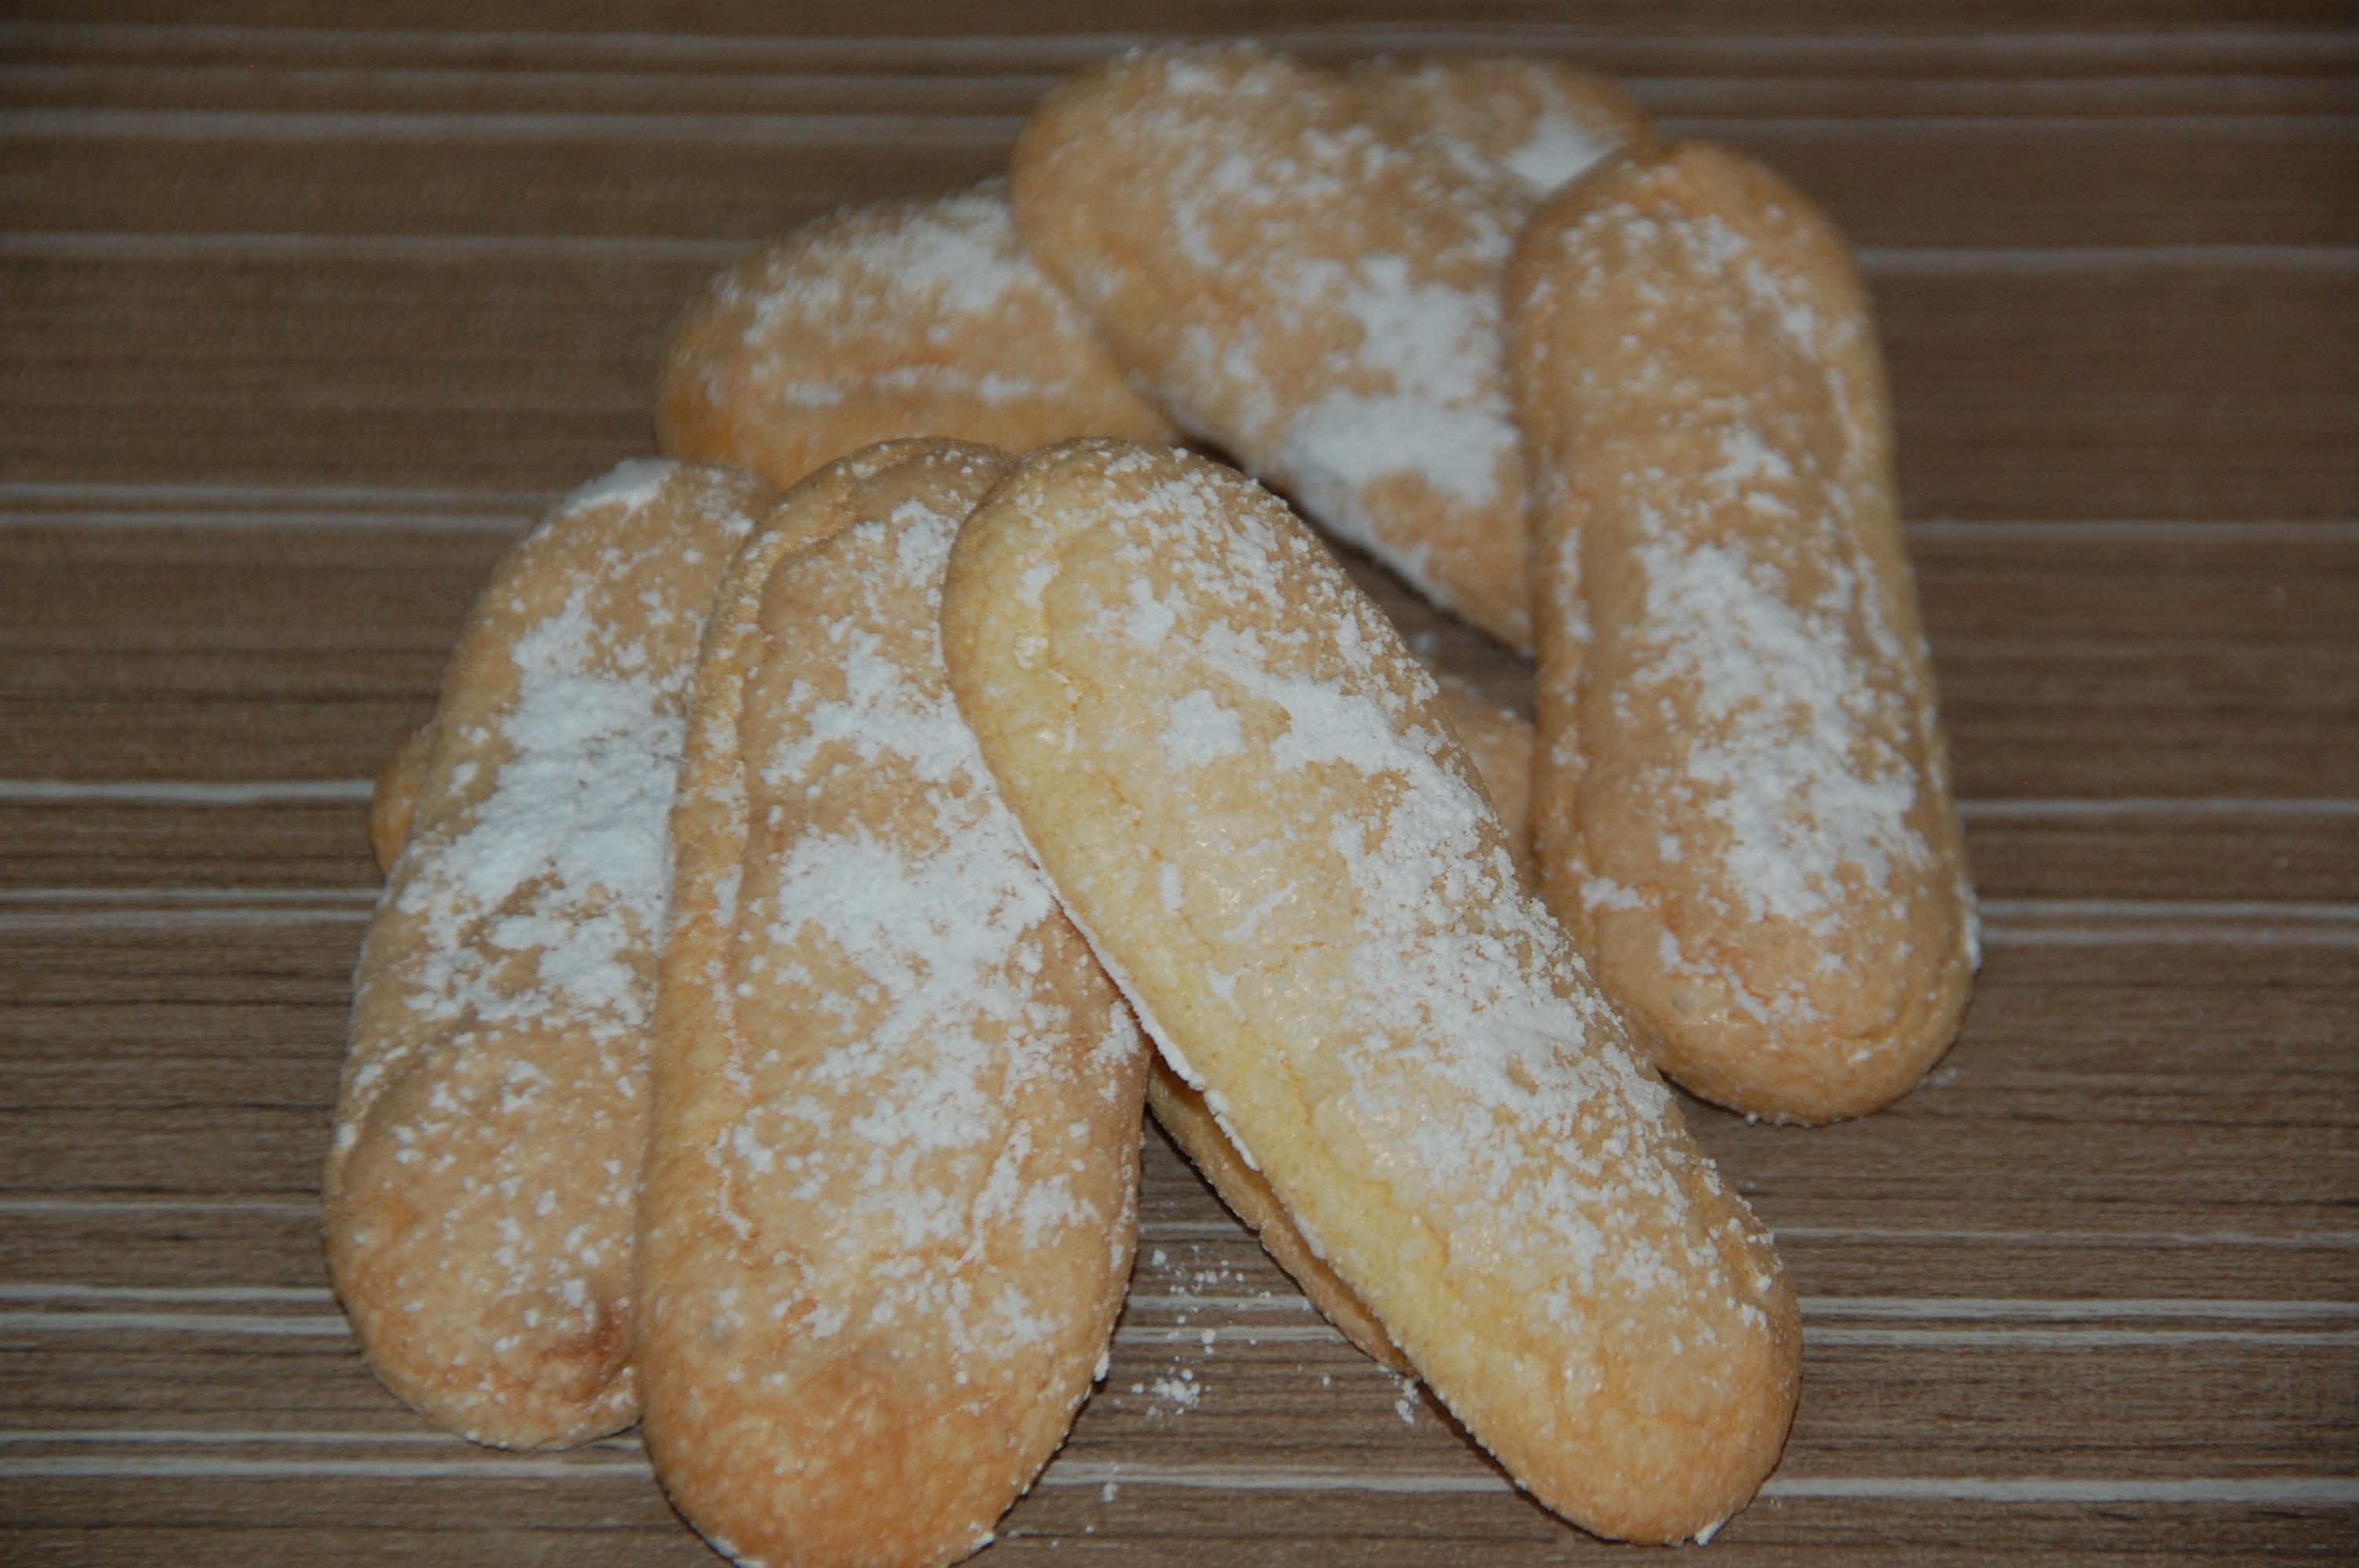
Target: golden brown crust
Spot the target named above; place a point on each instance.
(1500, 744)
(890, 1198)
(1246, 794)
(1317, 294)
(1180, 1109)
(1742, 797)
(488, 1133)
(394, 799)
(905, 319)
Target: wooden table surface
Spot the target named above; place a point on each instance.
(302, 322)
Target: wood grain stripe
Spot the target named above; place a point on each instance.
(160, 791)
(1996, 130)
(323, 1469)
(2292, 1491)
(153, 126)
(438, 521)
(226, 1437)
(298, 495)
(1625, 48)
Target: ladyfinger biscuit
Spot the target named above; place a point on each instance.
(1537, 122)
(1316, 295)
(479, 1191)
(891, 1191)
(1499, 744)
(1245, 792)
(907, 319)
(1741, 796)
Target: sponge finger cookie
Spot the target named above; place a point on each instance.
(1245, 792)
(488, 1133)
(1742, 795)
(1499, 744)
(1314, 293)
(891, 1189)
(907, 319)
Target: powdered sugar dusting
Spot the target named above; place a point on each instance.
(1429, 402)
(955, 257)
(1320, 296)
(1791, 751)
(1202, 729)
(545, 905)
(1559, 148)
(899, 1013)
(1535, 123)
(1762, 620)
(566, 863)
(1769, 866)
(1346, 442)
(630, 484)
(1488, 1082)
(499, 1048)
(892, 303)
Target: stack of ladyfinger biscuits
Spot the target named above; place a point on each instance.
(818, 826)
